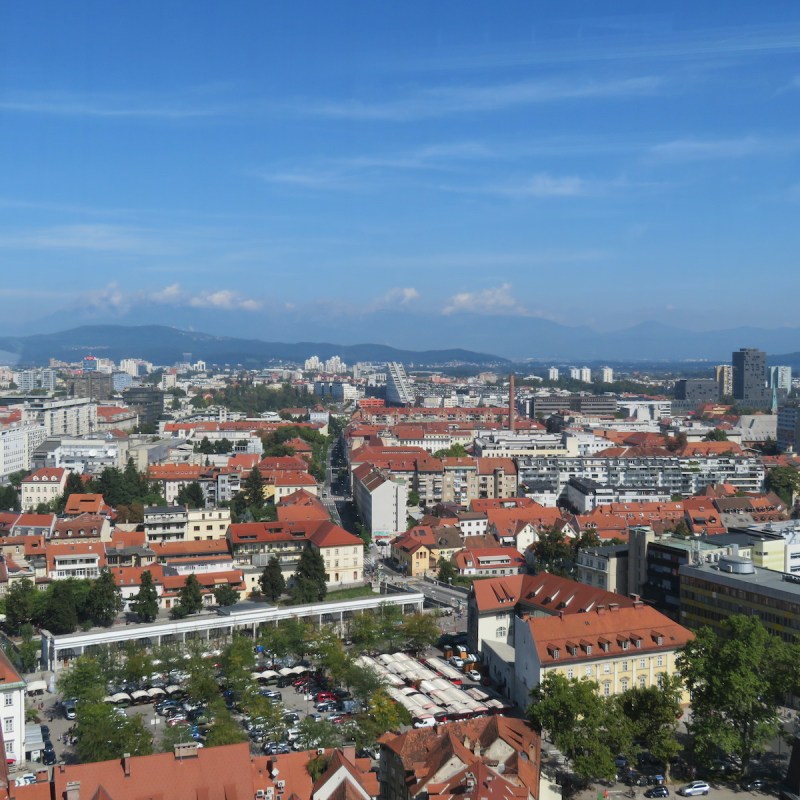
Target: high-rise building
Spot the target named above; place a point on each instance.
(552, 374)
(606, 375)
(312, 364)
(575, 373)
(398, 387)
(585, 375)
(780, 378)
(750, 378)
(696, 390)
(31, 379)
(724, 375)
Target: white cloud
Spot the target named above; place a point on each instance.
(169, 294)
(397, 296)
(496, 300)
(224, 299)
(703, 149)
(98, 238)
(442, 100)
(544, 185)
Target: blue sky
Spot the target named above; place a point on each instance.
(591, 163)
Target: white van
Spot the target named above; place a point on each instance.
(424, 722)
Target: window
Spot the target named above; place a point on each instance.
(659, 661)
(606, 688)
(9, 700)
(8, 725)
(642, 663)
(624, 684)
(570, 673)
(500, 633)
(606, 667)
(9, 747)
(642, 682)
(588, 672)
(624, 666)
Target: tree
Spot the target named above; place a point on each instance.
(383, 715)
(254, 488)
(28, 649)
(447, 571)
(103, 735)
(413, 498)
(9, 498)
(553, 553)
(310, 577)
(681, 528)
(716, 435)
(191, 495)
(454, 451)
(313, 734)
(20, 605)
(138, 663)
(84, 680)
(225, 730)
(677, 442)
(737, 677)
(298, 635)
(224, 595)
(785, 482)
(104, 600)
(364, 631)
(272, 582)
(318, 766)
(61, 613)
(145, 604)
(421, 631)
(577, 719)
(654, 713)
(190, 599)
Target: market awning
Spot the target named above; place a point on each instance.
(36, 686)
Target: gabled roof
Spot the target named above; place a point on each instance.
(329, 534)
(46, 475)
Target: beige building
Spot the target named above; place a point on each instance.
(42, 486)
(207, 523)
(342, 552)
(617, 648)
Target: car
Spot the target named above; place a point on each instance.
(336, 719)
(753, 784)
(291, 716)
(69, 709)
(26, 780)
(270, 693)
(45, 729)
(177, 719)
(474, 674)
(316, 717)
(694, 788)
(323, 696)
(457, 662)
(657, 791)
(49, 757)
(325, 705)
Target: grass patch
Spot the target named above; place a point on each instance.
(350, 593)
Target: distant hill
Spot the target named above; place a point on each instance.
(165, 345)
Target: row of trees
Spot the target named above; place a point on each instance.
(64, 605)
(737, 677)
(254, 399)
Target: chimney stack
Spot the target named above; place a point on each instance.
(511, 403)
(73, 791)
(126, 764)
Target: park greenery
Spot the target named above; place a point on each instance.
(63, 605)
(254, 399)
(102, 733)
(785, 482)
(737, 677)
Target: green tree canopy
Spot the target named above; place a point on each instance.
(190, 599)
(737, 677)
(716, 435)
(272, 582)
(254, 488)
(310, 579)
(104, 600)
(785, 482)
(191, 495)
(20, 605)
(224, 595)
(102, 734)
(553, 552)
(61, 611)
(84, 680)
(145, 604)
(579, 723)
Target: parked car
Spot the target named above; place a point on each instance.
(694, 788)
(325, 705)
(49, 757)
(323, 696)
(26, 780)
(316, 717)
(291, 716)
(457, 662)
(69, 709)
(474, 674)
(180, 717)
(657, 791)
(754, 784)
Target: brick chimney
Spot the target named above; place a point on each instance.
(126, 764)
(73, 791)
(511, 403)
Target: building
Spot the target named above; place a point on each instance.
(91, 384)
(788, 431)
(342, 552)
(712, 592)
(65, 416)
(30, 380)
(606, 375)
(17, 444)
(552, 374)
(484, 562)
(496, 758)
(85, 455)
(780, 378)
(207, 524)
(618, 648)
(12, 689)
(381, 501)
(166, 523)
(697, 390)
(399, 389)
(604, 567)
(43, 486)
(585, 375)
(723, 374)
(750, 378)
(146, 401)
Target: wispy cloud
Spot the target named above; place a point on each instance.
(114, 296)
(397, 297)
(443, 100)
(90, 237)
(495, 300)
(703, 149)
(108, 107)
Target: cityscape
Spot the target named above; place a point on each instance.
(396, 402)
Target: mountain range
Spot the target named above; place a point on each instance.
(235, 336)
(164, 345)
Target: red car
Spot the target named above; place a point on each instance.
(325, 696)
